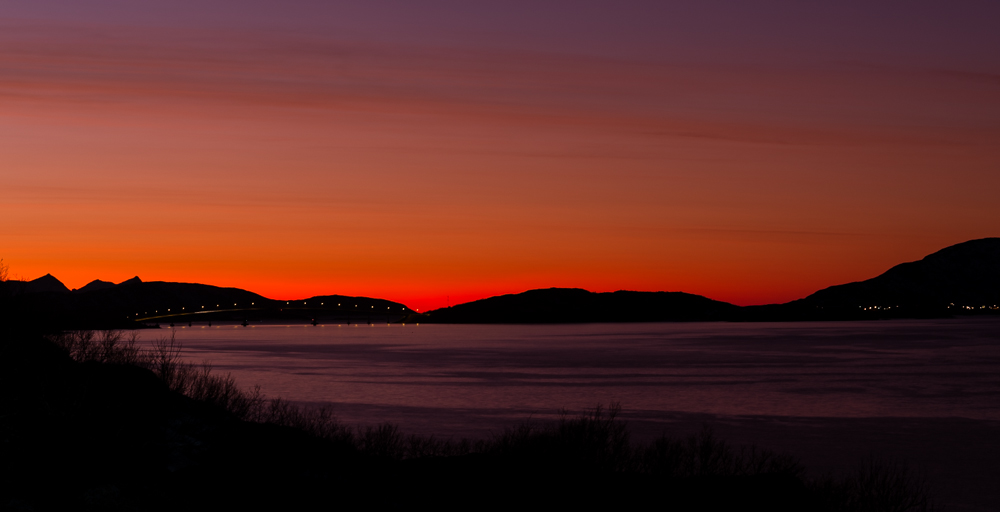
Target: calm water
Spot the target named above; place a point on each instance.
(939, 368)
(926, 392)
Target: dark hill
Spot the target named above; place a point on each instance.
(952, 280)
(573, 305)
(123, 304)
(158, 298)
(44, 284)
(96, 284)
(960, 279)
(359, 304)
(106, 305)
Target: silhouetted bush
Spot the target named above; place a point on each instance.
(163, 358)
(319, 422)
(597, 440)
(109, 346)
(702, 454)
(876, 485)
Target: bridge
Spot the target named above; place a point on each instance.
(274, 310)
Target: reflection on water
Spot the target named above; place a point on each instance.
(932, 368)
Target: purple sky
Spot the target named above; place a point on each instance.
(955, 34)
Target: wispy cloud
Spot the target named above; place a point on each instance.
(161, 71)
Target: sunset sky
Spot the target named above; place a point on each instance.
(436, 151)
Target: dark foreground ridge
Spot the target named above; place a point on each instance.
(93, 422)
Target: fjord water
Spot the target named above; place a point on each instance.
(926, 392)
(897, 369)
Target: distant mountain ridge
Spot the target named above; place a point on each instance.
(101, 304)
(45, 284)
(574, 305)
(965, 274)
(960, 279)
(96, 284)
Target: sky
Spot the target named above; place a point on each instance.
(437, 152)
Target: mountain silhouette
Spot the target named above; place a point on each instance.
(966, 274)
(961, 279)
(573, 305)
(44, 284)
(135, 302)
(134, 280)
(96, 284)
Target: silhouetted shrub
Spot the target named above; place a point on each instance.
(163, 358)
(596, 440)
(702, 454)
(877, 485)
(384, 440)
(109, 346)
(319, 422)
